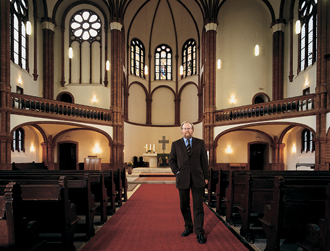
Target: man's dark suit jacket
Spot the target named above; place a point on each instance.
(196, 165)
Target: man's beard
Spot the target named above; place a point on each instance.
(187, 135)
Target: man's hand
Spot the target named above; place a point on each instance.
(206, 181)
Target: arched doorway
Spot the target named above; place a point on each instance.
(258, 156)
(67, 157)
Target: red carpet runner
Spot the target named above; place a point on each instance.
(151, 220)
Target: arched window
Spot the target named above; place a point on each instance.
(85, 30)
(307, 143)
(18, 37)
(65, 97)
(163, 63)
(308, 35)
(189, 58)
(137, 58)
(85, 26)
(18, 140)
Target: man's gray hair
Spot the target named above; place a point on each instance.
(184, 122)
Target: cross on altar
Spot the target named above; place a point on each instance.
(163, 142)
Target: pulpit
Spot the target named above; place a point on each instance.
(92, 163)
(151, 158)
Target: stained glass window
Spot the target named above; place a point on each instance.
(308, 35)
(189, 58)
(18, 36)
(137, 58)
(18, 140)
(85, 25)
(163, 63)
(307, 143)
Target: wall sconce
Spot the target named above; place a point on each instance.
(298, 27)
(19, 80)
(97, 148)
(306, 82)
(294, 149)
(70, 52)
(28, 28)
(107, 65)
(94, 100)
(32, 148)
(219, 64)
(256, 50)
(232, 99)
(229, 150)
(146, 70)
(181, 70)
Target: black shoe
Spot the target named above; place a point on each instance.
(201, 239)
(186, 232)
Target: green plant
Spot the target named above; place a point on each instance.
(129, 163)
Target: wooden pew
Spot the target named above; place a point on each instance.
(119, 178)
(8, 208)
(29, 166)
(325, 224)
(233, 192)
(295, 203)
(108, 191)
(79, 190)
(258, 192)
(220, 191)
(211, 187)
(48, 204)
(318, 235)
(237, 182)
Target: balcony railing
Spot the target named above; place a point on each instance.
(56, 109)
(290, 105)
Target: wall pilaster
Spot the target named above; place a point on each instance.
(278, 59)
(209, 88)
(5, 102)
(48, 28)
(117, 95)
(322, 149)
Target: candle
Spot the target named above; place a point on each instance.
(150, 147)
(153, 147)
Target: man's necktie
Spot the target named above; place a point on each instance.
(188, 148)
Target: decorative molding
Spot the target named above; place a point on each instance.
(211, 26)
(48, 25)
(116, 26)
(278, 27)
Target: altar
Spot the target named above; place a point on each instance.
(151, 158)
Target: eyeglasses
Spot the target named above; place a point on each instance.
(186, 128)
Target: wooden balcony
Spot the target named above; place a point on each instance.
(40, 107)
(285, 108)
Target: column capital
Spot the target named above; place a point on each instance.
(278, 25)
(211, 26)
(115, 26)
(48, 26)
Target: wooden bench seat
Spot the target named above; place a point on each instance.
(29, 166)
(102, 185)
(49, 206)
(295, 204)
(9, 207)
(79, 191)
(237, 182)
(258, 192)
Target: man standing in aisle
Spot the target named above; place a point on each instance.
(188, 161)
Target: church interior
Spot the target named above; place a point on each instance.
(103, 84)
